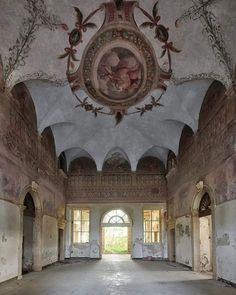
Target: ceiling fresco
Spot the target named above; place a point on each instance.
(91, 64)
(119, 67)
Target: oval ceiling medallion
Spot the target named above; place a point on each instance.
(119, 67)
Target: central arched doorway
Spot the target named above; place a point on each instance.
(116, 232)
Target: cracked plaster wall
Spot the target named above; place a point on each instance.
(226, 241)
(9, 240)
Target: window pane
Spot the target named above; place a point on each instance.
(84, 237)
(76, 237)
(147, 225)
(148, 237)
(77, 226)
(155, 226)
(151, 226)
(155, 237)
(85, 226)
(77, 214)
(81, 226)
(116, 216)
(147, 215)
(85, 215)
(155, 215)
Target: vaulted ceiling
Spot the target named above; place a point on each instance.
(204, 31)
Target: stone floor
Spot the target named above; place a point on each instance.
(115, 275)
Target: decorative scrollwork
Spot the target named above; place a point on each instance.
(141, 78)
(76, 36)
(161, 32)
(38, 17)
(200, 11)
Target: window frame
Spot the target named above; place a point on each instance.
(160, 226)
(73, 222)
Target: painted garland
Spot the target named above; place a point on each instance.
(122, 11)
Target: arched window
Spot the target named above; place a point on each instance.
(116, 217)
(205, 205)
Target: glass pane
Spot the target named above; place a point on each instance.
(77, 226)
(148, 237)
(155, 237)
(126, 218)
(106, 218)
(147, 214)
(116, 216)
(151, 226)
(76, 237)
(147, 226)
(84, 237)
(85, 215)
(155, 226)
(155, 214)
(77, 215)
(85, 226)
(120, 213)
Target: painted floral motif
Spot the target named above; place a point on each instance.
(200, 11)
(126, 72)
(161, 32)
(38, 16)
(76, 36)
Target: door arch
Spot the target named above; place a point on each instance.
(116, 232)
(30, 202)
(28, 233)
(203, 231)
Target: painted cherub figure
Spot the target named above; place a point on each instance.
(121, 73)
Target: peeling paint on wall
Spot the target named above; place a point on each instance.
(4, 239)
(3, 260)
(224, 240)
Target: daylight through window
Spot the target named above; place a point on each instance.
(81, 226)
(151, 226)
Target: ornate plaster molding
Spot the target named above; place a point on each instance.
(119, 67)
(200, 186)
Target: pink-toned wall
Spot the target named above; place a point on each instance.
(26, 157)
(208, 156)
